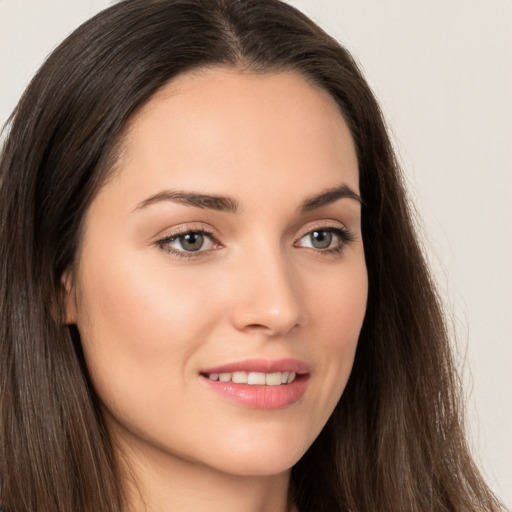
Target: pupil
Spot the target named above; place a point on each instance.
(192, 241)
(321, 239)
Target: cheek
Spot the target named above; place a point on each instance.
(341, 305)
(139, 325)
(338, 312)
(140, 305)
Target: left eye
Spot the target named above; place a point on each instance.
(192, 241)
(323, 239)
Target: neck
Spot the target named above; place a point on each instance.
(156, 482)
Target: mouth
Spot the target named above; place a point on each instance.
(254, 378)
(259, 383)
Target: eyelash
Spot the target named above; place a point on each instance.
(164, 242)
(344, 235)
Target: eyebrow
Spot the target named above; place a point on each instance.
(329, 196)
(205, 201)
(231, 205)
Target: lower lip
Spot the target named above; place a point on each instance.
(260, 397)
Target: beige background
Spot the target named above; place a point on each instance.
(443, 72)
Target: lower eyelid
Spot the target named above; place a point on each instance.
(164, 242)
(344, 236)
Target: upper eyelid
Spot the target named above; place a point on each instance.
(341, 232)
(164, 243)
(201, 227)
(326, 225)
(183, 230)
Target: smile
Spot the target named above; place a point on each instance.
(255, 378)
(259, 383)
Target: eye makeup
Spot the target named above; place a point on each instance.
(193, 242)
(189, 242)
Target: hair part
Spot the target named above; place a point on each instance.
(394, 442)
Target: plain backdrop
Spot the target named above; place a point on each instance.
(442, 71)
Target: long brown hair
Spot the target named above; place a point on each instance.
(395, 441)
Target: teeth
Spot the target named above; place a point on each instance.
(239, 377)
(255, 378)
(273, 379)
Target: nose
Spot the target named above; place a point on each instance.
(266, 295)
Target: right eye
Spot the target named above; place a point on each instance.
(326, 240)
(186, 242)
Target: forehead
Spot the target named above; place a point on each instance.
(215, 130)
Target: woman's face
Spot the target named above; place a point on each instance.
(223, 257)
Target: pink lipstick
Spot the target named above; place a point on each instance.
(259, 383)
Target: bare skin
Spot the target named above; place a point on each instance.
(169, 284)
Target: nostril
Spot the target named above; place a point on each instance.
(270, 328)
(266, 301)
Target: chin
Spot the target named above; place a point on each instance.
(260, 458)
(259, 465)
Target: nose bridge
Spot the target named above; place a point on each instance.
(267, 296)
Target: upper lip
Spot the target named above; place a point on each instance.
(261, 365)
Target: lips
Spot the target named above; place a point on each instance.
(261, 365)
(259, 383)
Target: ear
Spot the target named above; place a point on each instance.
(69, 298)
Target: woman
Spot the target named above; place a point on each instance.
(212, 293)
